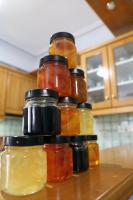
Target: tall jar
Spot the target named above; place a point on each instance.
(63, 43)
(86, 118)
(70, 122)
(59, 159)
(54, 74)
(41, 116)
(23, 166)
(78, 85)
(80, 153)
(93, 148)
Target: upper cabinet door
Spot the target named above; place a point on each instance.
(3, 78)
(121, 67)
(95, 64)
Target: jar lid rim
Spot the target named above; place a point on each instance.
(85, 105)
(62, 34)
(77, 71)
(67, 99)
(55, 58)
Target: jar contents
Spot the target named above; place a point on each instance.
(54, 74)
(78, 85)
(63, 44)
(80, 154)
(86, 118)
(24, 169)
(70, 122)
(41, 114)
(59, 159)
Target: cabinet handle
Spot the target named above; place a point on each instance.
(106, 98)
(113, 96)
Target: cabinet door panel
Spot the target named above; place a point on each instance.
(3, 76)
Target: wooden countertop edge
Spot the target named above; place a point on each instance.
(122, 192)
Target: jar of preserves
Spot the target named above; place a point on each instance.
(80, 153)
(63, 43)
(41, 115)
(78, 85)
(86, 118)
(59, 158)
(93, 148)
(54, 74)
(70, 122)
(23, 165)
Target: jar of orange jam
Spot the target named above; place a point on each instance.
(70, 121)
(78, 85)
(59, 158)
(63, 43)
(54, 74)
(93, 148)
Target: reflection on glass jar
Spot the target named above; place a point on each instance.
(63, 43)
(23, 166)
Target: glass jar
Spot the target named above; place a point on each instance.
(78, 85)
(93, 148)
(63, 43)
(86, 118)
(41, 115)
(70, 122)
(80, 153)
(59, 159)
(54, 74)
(23, 166)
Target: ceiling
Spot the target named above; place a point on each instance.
(28, 24)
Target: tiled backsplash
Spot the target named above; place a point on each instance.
(11, 126)
(114, 130)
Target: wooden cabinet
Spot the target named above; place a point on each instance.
(3, 78)
(109, 75)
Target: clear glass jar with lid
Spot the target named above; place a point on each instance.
(41, 114)
(86, 118)
(54, 74)
(59, 158)
(70, 122)
(63, 43)
(93, 147)
(78, 85)
(23, 165)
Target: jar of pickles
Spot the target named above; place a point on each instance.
(80, 153)
(54, 74)
(59, 158)
(78, 85)
(70, 122)
(63, 43)
(93, 148)
(41, 115)
(23, 165)
(86, 118)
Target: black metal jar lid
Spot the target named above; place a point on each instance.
(55, 58)
(78, 138)
(91, 137)
(41, 93)
(67, 99)
(62, 34)
(85, 105)
(25, 140)
(79, 72)
(57, 139)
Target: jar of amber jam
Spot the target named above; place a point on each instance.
(41, 115)
(70, 122)
(80, 153)
(54, 74)
(23, 165)
(63, 43)
(78, 85)
(59, 158)
(86, 118)
(93, 148)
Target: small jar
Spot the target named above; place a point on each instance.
(41, 115)
(63, 43)
(59, 158)
(80, 153)
(23, 166)
(93, 148)
(86, 118)
(70, 122)
(54, 74)
(78, 85)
